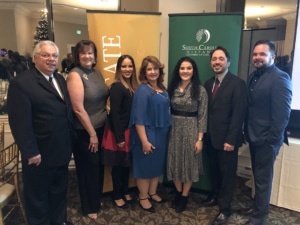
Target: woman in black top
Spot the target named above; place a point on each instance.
(116, 135)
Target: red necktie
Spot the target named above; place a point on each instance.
(51, 82)
(216, 87)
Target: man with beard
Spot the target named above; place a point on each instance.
(40, 118)
(270, 95)
(227, 102)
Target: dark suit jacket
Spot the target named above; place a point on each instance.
(226, 112)
(40, 120)
(269, 107)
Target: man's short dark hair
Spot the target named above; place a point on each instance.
(266, 42)
(222, 49)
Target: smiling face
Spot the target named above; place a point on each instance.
(152, 72)
(46, 60)
(186, 71)
(219, 62)
(87, 57)
(262, 56)
(126, 68)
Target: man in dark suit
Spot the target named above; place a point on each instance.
(40, 118)
(270, 95)
(227, 100)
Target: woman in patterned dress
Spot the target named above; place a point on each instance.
(189, 120)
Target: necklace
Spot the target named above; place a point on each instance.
(160, 93)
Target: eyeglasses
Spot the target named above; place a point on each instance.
(47, 55)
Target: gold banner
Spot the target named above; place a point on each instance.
(116, 34)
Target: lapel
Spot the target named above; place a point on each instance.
(62, 86)
(261, 81)
(210, 84)
(249, 80)
(44, 83)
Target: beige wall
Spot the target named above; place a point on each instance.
(139, 5)
(65, 36)
(8, 31)
(23, 32)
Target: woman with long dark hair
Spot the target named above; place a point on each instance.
(115, 142)
(189, 117)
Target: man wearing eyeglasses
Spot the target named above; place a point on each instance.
(40, 118)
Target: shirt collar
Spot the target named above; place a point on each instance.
(46, 76)
(260, 72)
(220, 77)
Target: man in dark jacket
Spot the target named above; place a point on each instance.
(40, 118)
(269, 107)
(227, 101)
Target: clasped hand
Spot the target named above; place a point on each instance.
(148, 148)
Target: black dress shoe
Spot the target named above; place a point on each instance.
(221, 219)
(246, 212)
(151, 209)
(152, 199)
(248, 223)
(210, 202)
(131, 201)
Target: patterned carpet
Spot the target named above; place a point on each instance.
(194, 215)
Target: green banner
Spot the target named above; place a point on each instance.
(195, 35)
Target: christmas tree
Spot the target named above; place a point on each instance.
(41, 32)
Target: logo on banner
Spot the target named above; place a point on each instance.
(203, 36)
(201, 48)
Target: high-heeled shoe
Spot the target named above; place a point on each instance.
(124, 206)
(151, 209)
(152, 199)
(129, 201)
(92, 216)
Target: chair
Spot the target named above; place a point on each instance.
(10, 197)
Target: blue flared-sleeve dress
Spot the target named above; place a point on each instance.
(151, 109)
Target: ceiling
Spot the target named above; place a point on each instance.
(258, 10)
(74, 10)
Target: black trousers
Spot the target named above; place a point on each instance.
(262, 158)
(223, 167)
(90, 172)
(45, 194)
(120, 176)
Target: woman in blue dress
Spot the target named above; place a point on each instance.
(149, 123)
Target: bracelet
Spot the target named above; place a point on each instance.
(200, 139)
(94, 134)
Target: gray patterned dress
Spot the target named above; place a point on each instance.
(182, 163)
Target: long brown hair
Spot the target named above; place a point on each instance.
(157, 64)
